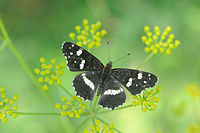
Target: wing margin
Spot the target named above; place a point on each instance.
(79, 59)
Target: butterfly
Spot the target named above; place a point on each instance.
(106, 81)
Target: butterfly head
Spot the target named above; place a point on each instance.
(109, 65)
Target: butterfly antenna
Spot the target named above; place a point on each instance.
(108, 43)
(121, 58)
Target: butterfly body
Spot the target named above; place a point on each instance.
(103, 79)
(105, 74)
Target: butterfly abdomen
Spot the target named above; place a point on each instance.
(105, 74)
(101, 86)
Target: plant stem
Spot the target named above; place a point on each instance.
(94, 123)
(39, 114)
(65, 90)
(1, 38)
(81, 125)
(85, 114)
(17, 54)
(95, 102)
(120, 108)
(3, 46)
(98, 108)
(145, 60)
(108, 124)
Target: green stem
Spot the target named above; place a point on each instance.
(1, 38)
(98, 108)
(145, 60)
(94, 123)
(108, 124)
(120, 108)
(90, 105)
(85, 114)
(17, 54)
(3, 46)
(65, 90)
(25, 113)
(142, 101)
(81, 125)
(95, 102)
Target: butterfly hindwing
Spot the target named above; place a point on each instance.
(134, 80)
(78, 59)
(113, 94)
(85, 84)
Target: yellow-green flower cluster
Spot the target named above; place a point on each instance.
(49, 72)
(194, 128)
(96, 128)
(157, 42)
(7, 107)
(88, 35)
(179, 109)
(73, 108)
(193, 90)
(147, 100)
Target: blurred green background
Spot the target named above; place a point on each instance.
(38, 27)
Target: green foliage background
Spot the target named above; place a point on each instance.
(38, 28)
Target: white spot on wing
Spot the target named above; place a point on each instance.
(71, 53)
(113, 92)
(129, 82)
(88, 82)
(79, 52)
(82, 64)
(139, 75)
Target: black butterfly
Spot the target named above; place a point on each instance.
(109, 80)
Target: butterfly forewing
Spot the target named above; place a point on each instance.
(134, 80)
(85, 84)
(78, 59)
(113, 94)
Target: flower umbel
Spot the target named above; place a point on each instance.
(7, 107)
(88, 35)
(147, 100)
(193, 90)
(194, 128)
(180, 109)
(157, 42)
(73, 108)
(100, 129)
(49, 73)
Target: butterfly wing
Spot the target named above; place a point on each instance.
(85, 84)
(113, 94)
(78, 59)
(134, 80)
